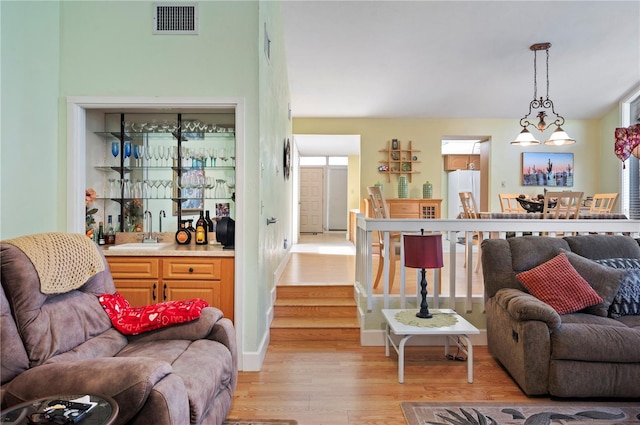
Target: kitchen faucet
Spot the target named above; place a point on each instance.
(149, 238)
(160, 215)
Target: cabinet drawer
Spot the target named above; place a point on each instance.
(134, 267)
(403, 210)
(191, 268)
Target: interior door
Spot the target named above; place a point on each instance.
(311, 199)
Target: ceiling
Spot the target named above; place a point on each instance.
(458, 59)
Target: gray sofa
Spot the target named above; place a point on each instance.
(581, 354)
(65, 344)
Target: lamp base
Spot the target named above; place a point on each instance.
(424, 307)
(424, 315)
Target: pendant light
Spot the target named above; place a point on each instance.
(559, 136)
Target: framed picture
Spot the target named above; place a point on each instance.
(547, 169)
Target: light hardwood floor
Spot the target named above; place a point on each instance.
(343, 383)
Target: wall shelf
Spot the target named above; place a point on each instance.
(398, 161)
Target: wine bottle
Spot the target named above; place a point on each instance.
(111, 233)
(201, 230)
(209, 222)
(101, 240)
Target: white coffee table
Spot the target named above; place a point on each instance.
(455, 333)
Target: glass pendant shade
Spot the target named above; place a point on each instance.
(559, 137)
(525, 138)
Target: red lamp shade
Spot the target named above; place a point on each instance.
(423, 251)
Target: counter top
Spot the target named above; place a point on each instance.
(213, 249)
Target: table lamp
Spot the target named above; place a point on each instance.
(423, 252)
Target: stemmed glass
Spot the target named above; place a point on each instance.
(115, 150)
(213, 155)
(127, 149)
(211, 183)
(231, 183)
(222, 154)
(167, 188)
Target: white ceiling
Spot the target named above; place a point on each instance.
(459, 59)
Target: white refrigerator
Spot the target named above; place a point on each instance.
(462, 181)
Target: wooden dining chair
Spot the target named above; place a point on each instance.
(567, 204)
(509, 203)
(603, 202)
(381, 210)
(470, 211)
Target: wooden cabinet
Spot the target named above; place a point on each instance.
(398, 160)
(149, 280)
(410, 208)
(461, 162)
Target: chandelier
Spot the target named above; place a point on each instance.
(559, 136)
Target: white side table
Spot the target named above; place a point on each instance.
(455, 333)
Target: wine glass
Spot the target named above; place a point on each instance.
(127, 149)
(115, 149)
(213, 155)
(222, 154)
(136, 154)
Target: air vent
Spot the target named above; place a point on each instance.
(175, 18)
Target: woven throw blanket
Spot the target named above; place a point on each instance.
(63, 261)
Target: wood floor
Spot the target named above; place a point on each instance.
(343, 383)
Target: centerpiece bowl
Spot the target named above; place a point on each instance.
(534, 206)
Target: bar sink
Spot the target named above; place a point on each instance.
(139, 246)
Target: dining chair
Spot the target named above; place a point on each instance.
(470, 211)
(381, 210)
(603, 202)
(509, 203)
(567, 204)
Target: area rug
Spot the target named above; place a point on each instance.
(525, 413)
(259, 422)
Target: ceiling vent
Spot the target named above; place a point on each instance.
(175, 18)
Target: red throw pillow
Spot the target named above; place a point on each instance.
(134, 320)
(558, 284)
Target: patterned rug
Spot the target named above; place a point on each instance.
(259, 422)
(529, 413)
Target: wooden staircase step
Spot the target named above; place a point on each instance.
(329, 302)
(314, 291)
(315, 311)
(313, 322)
(315, 334)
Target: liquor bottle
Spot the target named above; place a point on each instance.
(201, 230)
(190, 227)
(111, 233)
(101, 233)
(118, 228)
(183, 236)
(207, 218)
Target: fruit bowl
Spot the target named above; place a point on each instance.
(534, 206)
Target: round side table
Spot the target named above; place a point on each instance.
(104, 413)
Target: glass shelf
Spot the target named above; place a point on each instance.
(128, 169)
(160, 199)
(164, 135)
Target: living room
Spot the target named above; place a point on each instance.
(106, 49)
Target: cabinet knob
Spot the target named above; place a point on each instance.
(190, 269)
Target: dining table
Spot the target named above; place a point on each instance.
(538, 215)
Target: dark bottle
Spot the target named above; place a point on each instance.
(183, 236)
(101, 240)
(210, 227)
(111, 232)
(190, 226)
(118, 228)
(201, 230)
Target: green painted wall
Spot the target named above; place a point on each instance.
(31, 196)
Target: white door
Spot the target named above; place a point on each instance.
(311, 199)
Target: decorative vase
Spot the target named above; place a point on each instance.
(403, 187)
(427, 190)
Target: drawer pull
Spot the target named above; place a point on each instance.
(153, 294)
(190, 269)
(164, 292)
